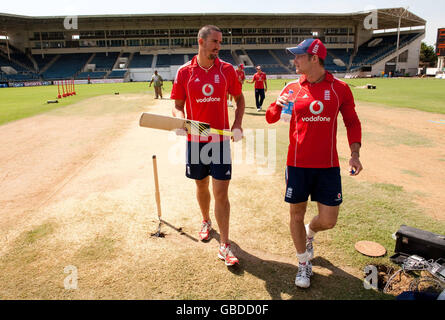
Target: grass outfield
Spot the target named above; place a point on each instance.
(19, 103)
(421, 94)
(414, 93)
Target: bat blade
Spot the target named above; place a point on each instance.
(157, 121)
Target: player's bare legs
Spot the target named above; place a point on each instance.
(297, 229)
(203, 196)
(222, 207)
(326, 219)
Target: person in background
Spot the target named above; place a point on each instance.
(241, 77)
(260, 80)
(157, 81)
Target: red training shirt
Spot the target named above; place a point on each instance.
(313, 126)
(241, 75)
(205, 93)
(259, 79)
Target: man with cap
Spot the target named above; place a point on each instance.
(241, 77)
(312, 161)
(260, 80)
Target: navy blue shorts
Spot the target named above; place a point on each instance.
(324, 185)
(209, 158)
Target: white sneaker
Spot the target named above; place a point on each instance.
(310, 247)
(303, 278)
(225, 253)
(206, 227)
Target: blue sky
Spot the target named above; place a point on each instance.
(429, 10)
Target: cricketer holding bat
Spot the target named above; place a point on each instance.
(202, 85)
(312, 160)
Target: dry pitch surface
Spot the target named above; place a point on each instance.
(76, 188)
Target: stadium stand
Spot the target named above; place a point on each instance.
(166, 60)
(43, 61)
(66, 66)
(141, 61)
(378, 47)
(103, 61)
(284, 56)
(250, 42)
(226, 55)
(24, 60)
(4, 61)
(117, 74)
(93, 75)
(261, 57)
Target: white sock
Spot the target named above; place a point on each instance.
(309, 232)
(303, 258)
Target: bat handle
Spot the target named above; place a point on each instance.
(157, 194)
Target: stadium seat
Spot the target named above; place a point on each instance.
(103, 61)
(226, 56)
(66, 66)
(167, 60)
(141, 61)
(93, 75)
(117, 74)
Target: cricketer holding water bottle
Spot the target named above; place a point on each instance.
(312, 161)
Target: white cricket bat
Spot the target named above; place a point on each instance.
(157, 121)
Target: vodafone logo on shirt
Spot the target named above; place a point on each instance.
(208, 91)
(316, 108)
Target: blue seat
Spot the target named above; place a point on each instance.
(141, 61)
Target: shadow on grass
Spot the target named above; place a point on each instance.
(279, 277)
(179, 230)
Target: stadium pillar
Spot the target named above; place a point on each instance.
(398, 40)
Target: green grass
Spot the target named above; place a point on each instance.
(19, 103)
(420, 94)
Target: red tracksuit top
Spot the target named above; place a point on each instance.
(313, 126)
(205, 93)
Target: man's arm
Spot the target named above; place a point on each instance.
(178, 112)
(354, 162)
(178, 109)
(265, 85)
(353, 130)
(238, 122)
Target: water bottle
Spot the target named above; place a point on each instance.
(286, 112)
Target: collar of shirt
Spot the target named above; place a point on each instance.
(195, 64)
(328, 77)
